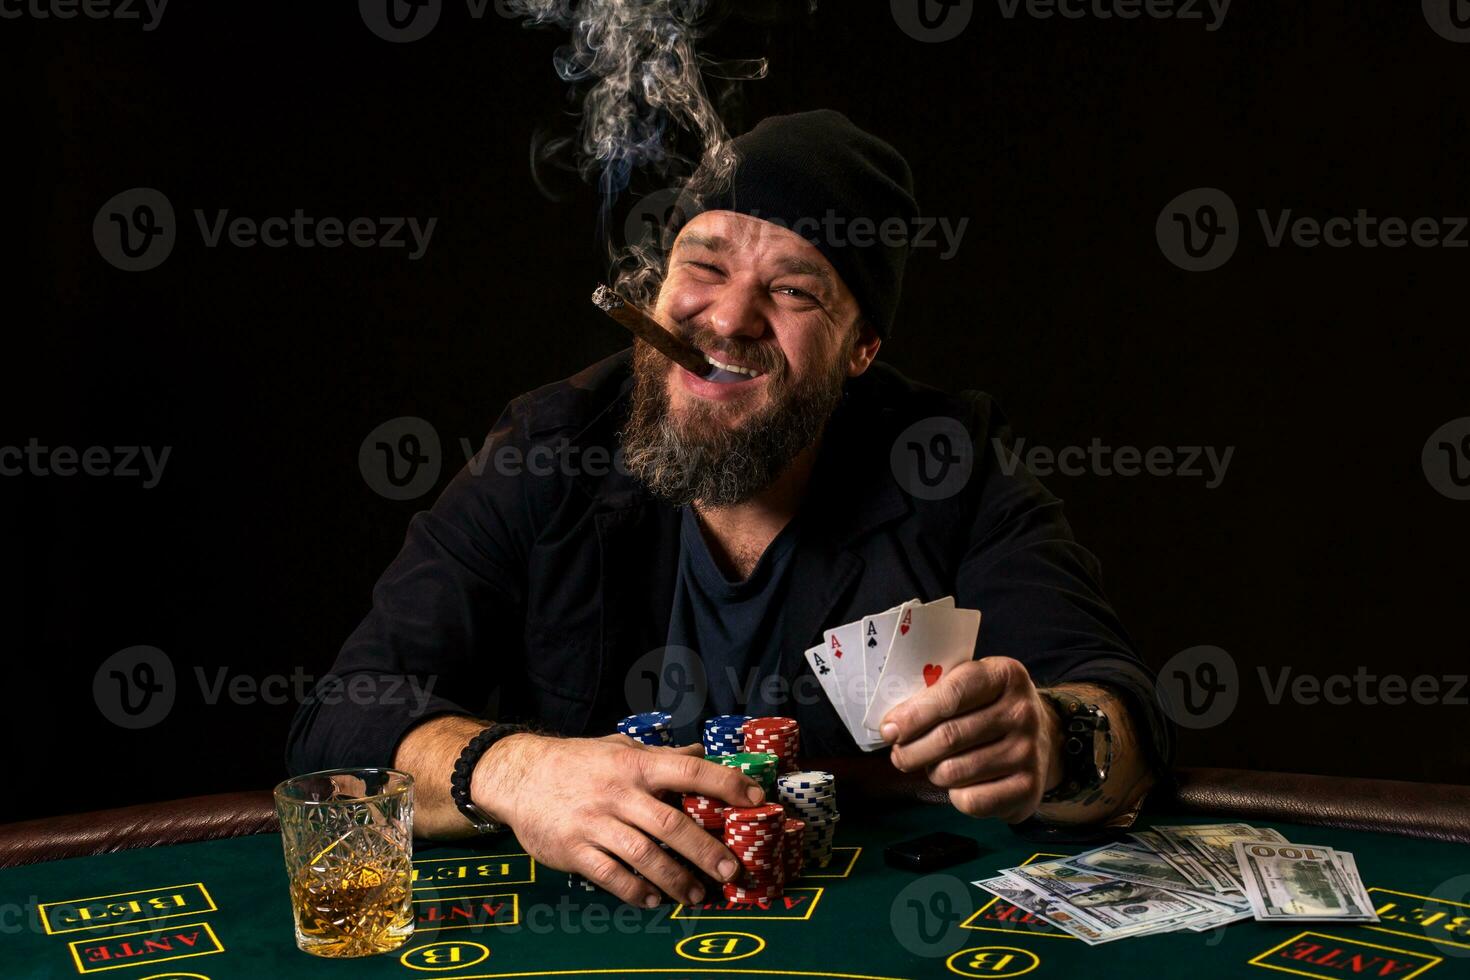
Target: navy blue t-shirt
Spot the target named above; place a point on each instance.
(727, 632)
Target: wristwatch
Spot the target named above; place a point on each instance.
(464, 767)
(1087, 746)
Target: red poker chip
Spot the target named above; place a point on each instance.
(737, 893)
(755, 814)
(773, 723)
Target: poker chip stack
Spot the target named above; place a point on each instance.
(650, 727)
(793, 852)
(812, 797)
(779, 736)
(759, 766)
(708, 813)
(722, 734)
(756, 836)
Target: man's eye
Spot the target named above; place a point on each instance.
(797, 293)
(706, 267)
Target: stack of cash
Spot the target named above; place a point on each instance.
(1189, 877)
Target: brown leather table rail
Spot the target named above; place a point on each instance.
(1428, 810)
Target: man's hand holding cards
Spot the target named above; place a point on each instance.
(868, 667)
(907, 678)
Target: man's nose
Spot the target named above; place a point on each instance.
(735, 313)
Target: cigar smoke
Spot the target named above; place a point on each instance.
(641, 81)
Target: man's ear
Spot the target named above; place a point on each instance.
(865, 346)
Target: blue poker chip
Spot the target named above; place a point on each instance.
(648, 719)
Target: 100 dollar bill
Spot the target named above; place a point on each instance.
(1302, 882)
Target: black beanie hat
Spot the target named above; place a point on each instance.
(843, 189)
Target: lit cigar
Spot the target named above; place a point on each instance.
(647, 329)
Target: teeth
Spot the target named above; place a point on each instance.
(735, 369)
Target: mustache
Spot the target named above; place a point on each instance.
(764, 356)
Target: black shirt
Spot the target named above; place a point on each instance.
(731, 633)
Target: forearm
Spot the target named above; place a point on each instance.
(429, 752)
(1129, 777)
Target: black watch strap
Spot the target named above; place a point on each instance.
(464, 767)
(1085, 729)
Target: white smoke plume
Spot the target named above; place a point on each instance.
(642, 78)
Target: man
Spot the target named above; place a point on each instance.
(754, 511)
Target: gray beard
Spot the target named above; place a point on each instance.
(699, 458)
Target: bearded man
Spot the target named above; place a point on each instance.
(751, 511)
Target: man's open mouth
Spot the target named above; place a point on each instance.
(730, 373)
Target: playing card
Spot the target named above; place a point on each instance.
(878, 632)
(928, 641)
(877, 636)
(821, 662)
(844, 658)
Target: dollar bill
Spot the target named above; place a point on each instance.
(1015, 891)
(1302, 882)
(1174, 856)
(1113, 907)
(1212, 847)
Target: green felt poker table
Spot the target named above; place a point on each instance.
(197, 891)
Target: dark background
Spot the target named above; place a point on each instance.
(1325, 548)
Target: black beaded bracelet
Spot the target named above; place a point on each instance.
(464, 767)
